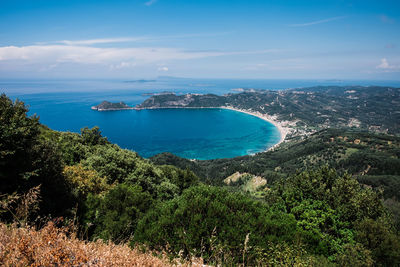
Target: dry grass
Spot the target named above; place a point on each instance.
(52, 246)
(21, 206)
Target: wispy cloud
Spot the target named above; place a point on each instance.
(68, 56)
(150, 2)
(117, 57)
(100, 41)
(88, 42)
(317, 22)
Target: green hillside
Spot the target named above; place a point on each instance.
(317, 216)
(358, 153)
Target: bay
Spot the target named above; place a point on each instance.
(64, 105)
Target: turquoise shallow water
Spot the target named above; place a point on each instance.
(190, 133)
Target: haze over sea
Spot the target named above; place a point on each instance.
(189, 133)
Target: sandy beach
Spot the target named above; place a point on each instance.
(282, 130)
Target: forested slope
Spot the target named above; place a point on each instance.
(359, 153)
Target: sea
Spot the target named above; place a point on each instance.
(202, 134)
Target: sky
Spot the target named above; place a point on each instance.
(141, 39)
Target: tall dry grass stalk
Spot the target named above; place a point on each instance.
(21, 206)
(246, 241)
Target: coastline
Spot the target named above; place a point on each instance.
(283, 131)
(111, 109)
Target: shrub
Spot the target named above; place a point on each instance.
(114, 216)
(205, 220)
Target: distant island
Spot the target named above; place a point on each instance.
(106, 106)
(140, 81)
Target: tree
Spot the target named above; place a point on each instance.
(112, 162)
(84, 181)
(93, 136)
(181, 178)
(19, 138)
(28, 160)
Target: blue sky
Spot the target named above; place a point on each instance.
(201, 39)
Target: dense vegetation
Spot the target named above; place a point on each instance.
(319, 217)
(373, 158)
(373, 108)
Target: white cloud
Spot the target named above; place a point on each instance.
(123, 65)
(384, 64)
(100, 41)
(316, 22)
(150, 2)
(386, 67)
(51, 54)
(90, 42)
(163, 68)
(84, 60)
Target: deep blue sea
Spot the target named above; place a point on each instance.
(64, 105)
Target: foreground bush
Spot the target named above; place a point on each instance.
(51, 246)
(215, 224)
(114, 216)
